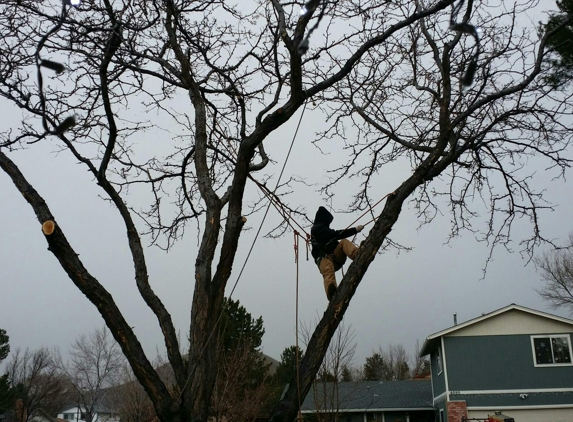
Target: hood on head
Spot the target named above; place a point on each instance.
(323, 216)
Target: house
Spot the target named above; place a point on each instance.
(43, 416)
(365, 401)
(75, 413)
(515, 361)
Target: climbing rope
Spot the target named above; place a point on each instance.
(296, 237)
(369, 210)
(248, 255)
(271, 195)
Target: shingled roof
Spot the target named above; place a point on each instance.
(371, 396)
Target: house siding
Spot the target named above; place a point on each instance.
(438, 380)
(510, 400)
(498, 363)
(76, 412)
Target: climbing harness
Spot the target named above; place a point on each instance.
(320, 249)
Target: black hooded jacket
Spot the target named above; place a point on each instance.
(324, 239)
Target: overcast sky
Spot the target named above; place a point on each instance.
(403, 298)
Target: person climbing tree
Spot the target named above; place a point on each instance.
(328, 253)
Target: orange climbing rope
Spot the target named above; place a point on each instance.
(370, 210)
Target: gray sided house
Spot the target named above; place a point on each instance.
(515, 360)
(365, 401)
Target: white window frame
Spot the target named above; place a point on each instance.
(439, 361)
(550, 336)
(442, 415)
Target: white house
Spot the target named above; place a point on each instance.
(75, 413)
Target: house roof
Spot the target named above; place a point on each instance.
(103, 402)
(44, 415)
(432, 341)
(98, 408)
(370, 396)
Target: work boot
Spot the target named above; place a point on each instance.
(330, 291)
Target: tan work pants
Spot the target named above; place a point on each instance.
(328, 266)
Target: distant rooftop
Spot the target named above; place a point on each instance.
(371, 396)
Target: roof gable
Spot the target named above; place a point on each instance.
(510, 320)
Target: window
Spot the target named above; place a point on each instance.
(441, 415)
(69, 416)
(439, 359)
(551, 350)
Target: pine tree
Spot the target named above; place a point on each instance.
(287, 367)
(6, 396)
(561, 62)
(346, 374)
(241, 334)
(374, 368)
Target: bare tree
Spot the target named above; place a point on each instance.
(340, 353)
(557, 272)
(243, 74)
(95, 366)
(461, 142)
(338, 360)
(36, 381)
(237, 395)
(390, 364)
(396, 360)
(130, 401)
(243, 379)
(420, 365)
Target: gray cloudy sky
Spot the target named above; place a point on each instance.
(404, 296)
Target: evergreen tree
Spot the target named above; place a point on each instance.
(374, 368)
(325, 376)
(4, 345)
(287, 367)
(561, 62)
(241, 384)
(346, 374)
(241, 334)
(6, 396)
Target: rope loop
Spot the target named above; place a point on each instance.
(296, 236)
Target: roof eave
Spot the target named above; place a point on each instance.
(430, 340)
(370, 409)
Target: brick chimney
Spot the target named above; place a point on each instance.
(457, 410)
(20, 410)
